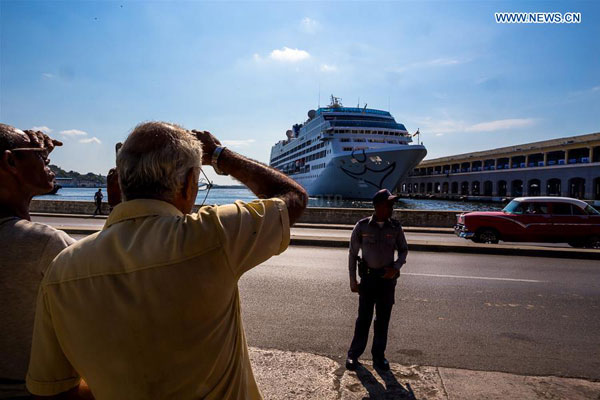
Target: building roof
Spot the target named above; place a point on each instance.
(517, 149)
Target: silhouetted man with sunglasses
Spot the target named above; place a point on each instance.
(26, 248)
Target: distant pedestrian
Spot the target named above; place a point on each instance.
(26, 248)
(98, 196)
(378, 237)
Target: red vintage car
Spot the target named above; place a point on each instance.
(535, 219)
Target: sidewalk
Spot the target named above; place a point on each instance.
(294, 375)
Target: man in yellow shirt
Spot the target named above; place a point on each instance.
(149, 307)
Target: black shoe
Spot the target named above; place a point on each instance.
(352, 364)
(381, 364)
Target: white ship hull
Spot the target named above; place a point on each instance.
(360, 174)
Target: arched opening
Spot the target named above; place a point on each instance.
(445, 187)
(464, 188)
(429, 187)
(422, 188)
(437, 187)
(534, 187)
(454, 188)
(475, 188)
(516, 189)
(577, 188)
(416, 188)
(596, 194)
(488, 188)
(502, 188)
(553, 187)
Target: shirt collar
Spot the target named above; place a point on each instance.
(141, 208)
(372, 220)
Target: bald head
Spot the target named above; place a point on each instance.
(11, 138)
(153, 161)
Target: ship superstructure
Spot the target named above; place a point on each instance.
(349, 152)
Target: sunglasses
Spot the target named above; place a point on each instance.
(204, 185)
(42, 153)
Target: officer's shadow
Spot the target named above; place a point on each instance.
(393, 390)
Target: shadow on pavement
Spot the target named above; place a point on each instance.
(393, 390)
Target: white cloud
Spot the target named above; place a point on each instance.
(289, 55)
(47, 75)
(328, 68)
(256, 57)
(238, 143)
(309, 25)
(596, 89)
(501, 124)
(44, 129)
(443, 126)
(73, 132)
(93, 139)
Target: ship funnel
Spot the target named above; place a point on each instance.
(311, 114)
(289, 134)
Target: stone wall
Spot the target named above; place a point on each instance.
(316, 215)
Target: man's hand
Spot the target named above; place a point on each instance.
(390, 273)
(209, 144)
(354, 286)
(40, 140)
(112, 187)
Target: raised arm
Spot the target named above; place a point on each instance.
(263, 181)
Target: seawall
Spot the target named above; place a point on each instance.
(349, 216)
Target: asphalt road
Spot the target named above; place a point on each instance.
(535, 316)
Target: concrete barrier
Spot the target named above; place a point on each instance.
(349, 216)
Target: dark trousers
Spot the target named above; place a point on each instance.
(374, 293)
(98, 208)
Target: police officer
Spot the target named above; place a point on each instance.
(378, 236)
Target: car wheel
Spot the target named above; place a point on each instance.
(593, 242)
(487, 235)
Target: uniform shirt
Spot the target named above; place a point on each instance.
(148, 308)
(26, 250)
(378, 244)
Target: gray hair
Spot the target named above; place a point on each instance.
(154, 160)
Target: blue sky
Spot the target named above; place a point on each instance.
(88, 72)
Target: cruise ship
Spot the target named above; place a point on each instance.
(347, 152)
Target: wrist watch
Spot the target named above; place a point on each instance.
(215, 159)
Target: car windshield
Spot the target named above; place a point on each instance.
(591, 210)
(514, 207)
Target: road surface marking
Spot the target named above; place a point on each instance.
(473, 277)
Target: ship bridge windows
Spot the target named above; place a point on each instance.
(465, 167)
(455, 168)
(344, 140)
(476, 166)
(360, 140)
